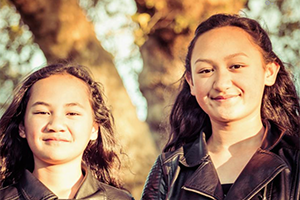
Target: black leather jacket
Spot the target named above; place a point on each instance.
(273, 173)
(30, 188)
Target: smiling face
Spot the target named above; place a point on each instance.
(58, 122)
(228, 75)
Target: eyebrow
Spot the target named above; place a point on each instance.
(226, 58)
(40, 103)
(74, 104)
(235, 55)
(48, 105)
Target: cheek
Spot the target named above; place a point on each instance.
(202, 102)
(34, 124)
(253, 87)
(81, 129)
(202, 95)
(201, 89)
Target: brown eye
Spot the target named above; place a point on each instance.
(206, 71)
(236, 66)
(72, 114)
(41, 113)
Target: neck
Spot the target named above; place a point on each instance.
(236, 134)
(232, 145)
(63, 180)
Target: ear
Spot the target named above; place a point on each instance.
(94, 134)
(271, 72)
(22, 131)
(189, 79)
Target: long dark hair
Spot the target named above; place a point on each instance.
(100, 155)
(280, 102)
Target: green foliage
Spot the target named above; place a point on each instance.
(115, 29)
(282, 21)
(16, 50)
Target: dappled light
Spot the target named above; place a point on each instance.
(136, 49)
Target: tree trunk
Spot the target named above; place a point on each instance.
(168, 27)
(63, 33)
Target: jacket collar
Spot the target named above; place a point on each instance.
(263, 167)
(252, 175)
(32, 188)
(89, 186)
(194, 153)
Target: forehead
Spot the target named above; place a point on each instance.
(224, 41)
(60, 88)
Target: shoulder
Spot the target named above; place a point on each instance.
(115, 193)
(181, 152)
(166, 157)
(9, 192)
(189, 155)
(288, 149)
(290, 142)
(94, 189)
(279, 140)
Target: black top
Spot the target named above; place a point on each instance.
(226, 188)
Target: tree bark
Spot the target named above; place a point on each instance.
(168, 27)
(63, 33)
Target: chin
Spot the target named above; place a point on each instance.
(225, 118)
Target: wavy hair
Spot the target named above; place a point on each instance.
(15, 155)
(280, 102)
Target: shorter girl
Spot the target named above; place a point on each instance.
(57, 139)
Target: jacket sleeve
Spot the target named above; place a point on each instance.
(155, 187)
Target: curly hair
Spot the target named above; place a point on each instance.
(100, 155)
(280, 102)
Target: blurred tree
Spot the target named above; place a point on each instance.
(63, 33)
(16, 47)
(166, 27)
(282, 21)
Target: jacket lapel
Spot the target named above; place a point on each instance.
(90, 186)
(263, 167)
(204, 180)
(32, 188)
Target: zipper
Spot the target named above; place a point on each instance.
(265, 185)
(265, 194)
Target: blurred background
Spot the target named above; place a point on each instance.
(136, 49)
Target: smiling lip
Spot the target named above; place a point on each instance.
(55, 140)
(223, 98)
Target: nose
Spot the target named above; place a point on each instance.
(56, 124)
(223, 80)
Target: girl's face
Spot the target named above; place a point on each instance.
(58, 122)
(228, 75)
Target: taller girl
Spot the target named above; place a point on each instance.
(235, 124)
